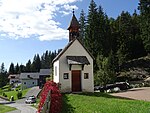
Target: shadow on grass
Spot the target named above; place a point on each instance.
(66, 106)
(105, 95)
(97, 94)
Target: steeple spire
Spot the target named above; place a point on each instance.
(73, 28)
(73, 11)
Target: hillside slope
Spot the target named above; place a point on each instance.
(135, 70)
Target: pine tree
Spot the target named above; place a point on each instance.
(22, 68)
(36, 65)
(28, 66)
(115, 34)
(16, 69)
(90, 40)
(98, 32)
(2, 69)
(106, 72)
(144, 7)
(46, 60)
(136, 46)
(11, 68)
(3, 76)
(53, 55)
(104, 33)
(33, 65)
(125, 30)
(82, 23)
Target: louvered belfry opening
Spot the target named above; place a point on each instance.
(73, 28)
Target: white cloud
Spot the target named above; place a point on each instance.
(68, 9)
(25, 18)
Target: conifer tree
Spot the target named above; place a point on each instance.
(125, 37)
(82, 24)
(28, 66)
(11, 68)
(17, 69)
(144, 7)
(36, 65)
(90, 38)
(3, 75)
(21, 68)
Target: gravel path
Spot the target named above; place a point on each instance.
(136, 94)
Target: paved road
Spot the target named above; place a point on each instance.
(22, 108)
(136, 94)
(2, 101)
(33, 91)
(20, 104)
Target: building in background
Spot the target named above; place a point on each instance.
(44, 73)
(14, 78)
(28, 80)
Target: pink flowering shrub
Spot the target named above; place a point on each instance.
(56, 97)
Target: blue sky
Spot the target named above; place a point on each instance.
(28, 27)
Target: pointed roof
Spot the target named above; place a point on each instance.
(69, 44)
(74, 22)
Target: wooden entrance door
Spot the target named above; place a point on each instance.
(76, 80)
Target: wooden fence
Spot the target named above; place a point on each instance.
(47, 104)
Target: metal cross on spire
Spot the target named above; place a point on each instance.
(73, 10)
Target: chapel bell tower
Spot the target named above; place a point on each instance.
(73, 28)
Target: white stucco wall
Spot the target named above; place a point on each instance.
(27, 83)
(76, 49)
(88, 84)
(13, 80)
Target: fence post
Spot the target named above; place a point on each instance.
(47, 104)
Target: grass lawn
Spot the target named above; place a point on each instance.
(4, 109)
(102, 103)
(14, 93)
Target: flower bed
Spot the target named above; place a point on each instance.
(55, 97)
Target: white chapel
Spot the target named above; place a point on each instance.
(73, 66)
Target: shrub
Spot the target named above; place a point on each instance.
(19, 94)
(0, 91)
(147, 84)
(56, 98)
(4, 95)
(12, 98)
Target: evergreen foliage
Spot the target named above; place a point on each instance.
(11, 68)
(19, 94)
(144, 7)
(114, 41)
(106, 72)
(43, 62)
(82, 24)
(28, 66)
(16, 70)
(3, 76)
